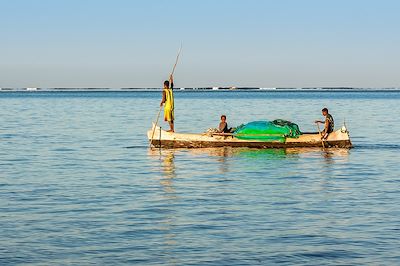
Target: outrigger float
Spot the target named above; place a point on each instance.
(162, 139)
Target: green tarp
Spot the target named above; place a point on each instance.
(277, 130)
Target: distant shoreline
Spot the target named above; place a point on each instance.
(194, 89)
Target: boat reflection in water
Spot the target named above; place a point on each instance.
(233, 152)
(222, 154)
(167, 167)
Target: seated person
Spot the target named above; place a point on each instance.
(329, 123)
(223, 125)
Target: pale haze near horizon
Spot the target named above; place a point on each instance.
(118, 44)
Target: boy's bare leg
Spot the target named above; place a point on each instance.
(171, 126)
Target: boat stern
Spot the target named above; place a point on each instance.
(339, 138)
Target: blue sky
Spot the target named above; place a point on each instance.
(127, 43)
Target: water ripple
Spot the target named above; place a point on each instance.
(79, 185)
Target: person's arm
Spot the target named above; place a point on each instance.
(326, 125)
(319, 121)
(221, 127)
(171, 81)
(163, 98)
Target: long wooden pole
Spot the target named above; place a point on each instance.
(176, 61)
(155, 125)
(319, 130)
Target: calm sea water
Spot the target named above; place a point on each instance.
(79, 185)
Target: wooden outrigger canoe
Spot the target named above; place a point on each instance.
(163, 139)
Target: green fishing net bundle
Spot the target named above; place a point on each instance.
(277, 130)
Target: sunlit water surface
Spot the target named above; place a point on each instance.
(79, 184)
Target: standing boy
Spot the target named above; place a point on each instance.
(168, 99)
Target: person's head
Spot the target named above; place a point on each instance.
(223, 118)
(324, 111)
(166, 84)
